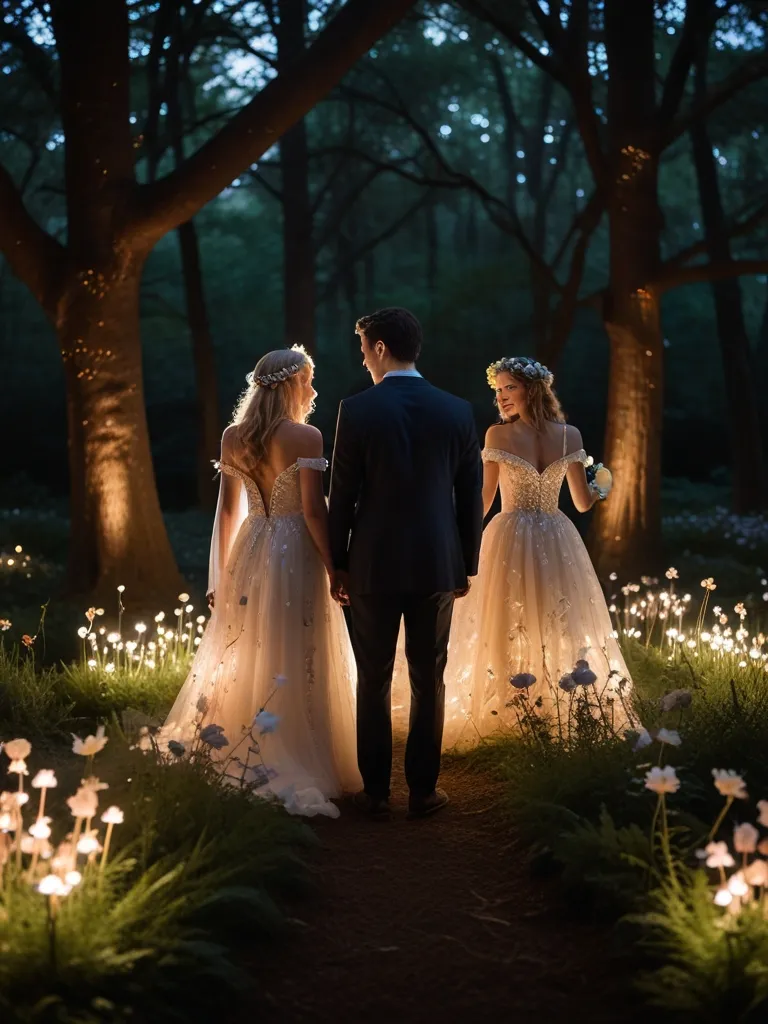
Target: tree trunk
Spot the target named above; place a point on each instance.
(748, 469)
(300, 297)
(206, 385)
(626, 533)
(118, 534)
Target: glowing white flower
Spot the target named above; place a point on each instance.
(109, 667)
(17, 750)
(717, 855)
(113, 638)
(183, 598)
(73, 878)
(113, 816)
(266, 722)
(91, 744)
(756, 873)
(672, 574)
(662, 780)
(669, 736)
(52, 885)
(644, 739)
(723, 897)
(45, 779)
(18, 768)
(82, 632)
(140, 627)
(84, 803)
(737, 885)
(88, 844)
(729, 783)
(40, 829)
(7, 822)
(21, 798)
(745, 838)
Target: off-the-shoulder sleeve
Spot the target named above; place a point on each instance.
(492, 455)
(321, 465)
(231, 512)
(577, 456)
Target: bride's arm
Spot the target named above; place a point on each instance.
(581, 493)
(230, 512)
(312, 497)
(490, 473)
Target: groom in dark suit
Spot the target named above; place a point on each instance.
(406, 516)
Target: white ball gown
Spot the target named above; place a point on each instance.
(535, 607)
(275, 637)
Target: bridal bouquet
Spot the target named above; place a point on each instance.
(599, 478)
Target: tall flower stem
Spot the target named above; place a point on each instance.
(719, 820)
(105, 851)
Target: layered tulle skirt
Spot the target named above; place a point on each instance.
(276, 641)
(532, 645)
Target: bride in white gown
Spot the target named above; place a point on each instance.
(276, 639)
(534, 638)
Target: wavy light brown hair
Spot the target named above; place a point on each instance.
(261, 409)
(543, 404)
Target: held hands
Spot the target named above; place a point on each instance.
(340, 586)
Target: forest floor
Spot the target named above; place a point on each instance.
(439, 919)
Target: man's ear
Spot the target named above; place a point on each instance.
(380, 348)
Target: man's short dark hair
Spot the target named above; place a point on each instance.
(398, 328)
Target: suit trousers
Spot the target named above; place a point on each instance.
(375, 625)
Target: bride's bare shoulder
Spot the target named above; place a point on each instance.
(574, 438)
(495, 435)
(229, 441)
(300, 440)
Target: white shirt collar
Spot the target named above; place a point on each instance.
(401, 373)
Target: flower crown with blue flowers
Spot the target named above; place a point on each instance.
(519, 366)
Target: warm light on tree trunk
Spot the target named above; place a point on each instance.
(90, 288)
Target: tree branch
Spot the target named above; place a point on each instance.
(707, 272)
(32, 254)
(746, 74)
(507, 26)
(388, 232)
(738, 229)
(283, 101)
(680, 66)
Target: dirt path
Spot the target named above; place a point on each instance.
(438, 920)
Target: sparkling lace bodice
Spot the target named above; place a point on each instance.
(286, 492)
(523, 487)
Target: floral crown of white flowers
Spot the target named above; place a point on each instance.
(519, 366)
(271, 380)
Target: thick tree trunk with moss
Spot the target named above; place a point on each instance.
(118, 536)
(90, 288)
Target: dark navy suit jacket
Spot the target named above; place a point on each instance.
(406, 508)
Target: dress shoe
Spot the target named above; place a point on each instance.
(373, 806)
(423, 806)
